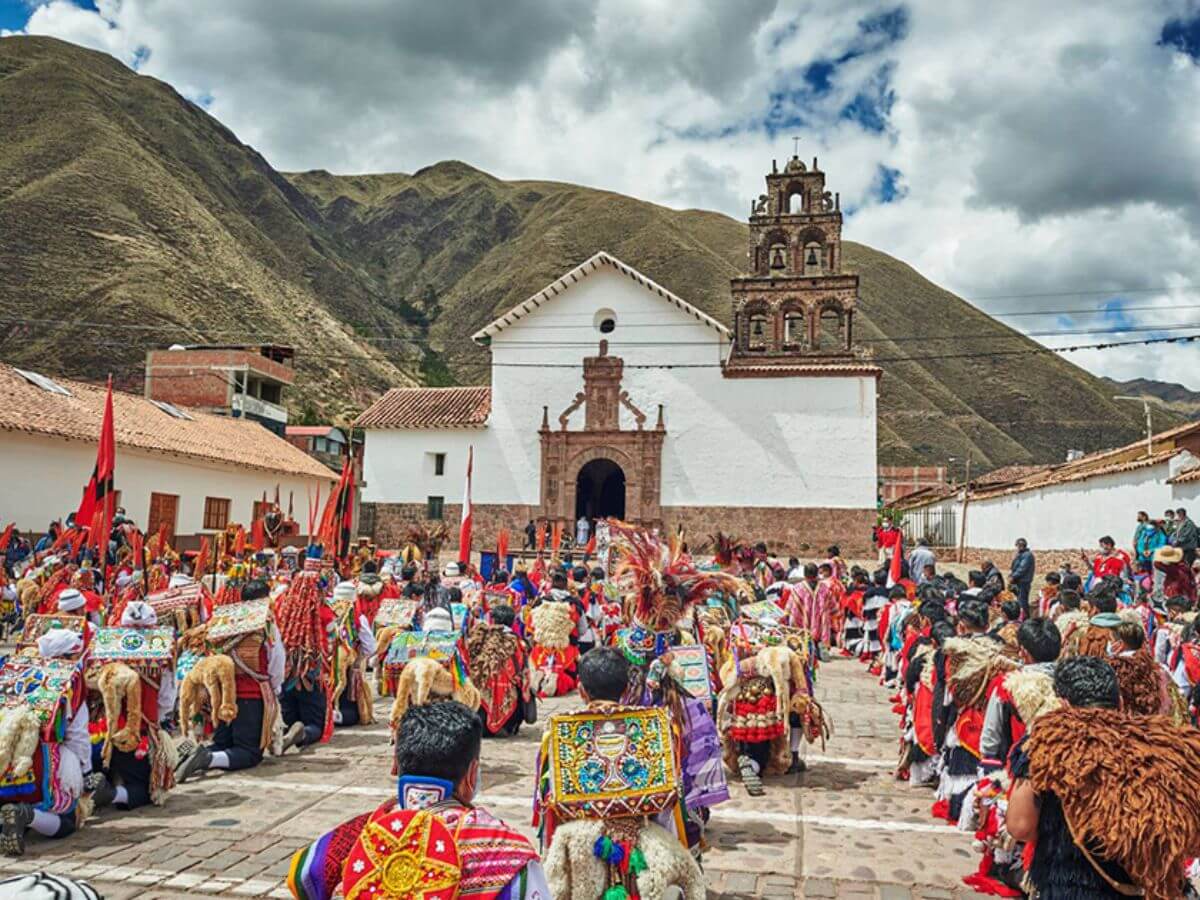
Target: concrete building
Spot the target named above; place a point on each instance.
(192, 471)
(238, 380)
(611, 395)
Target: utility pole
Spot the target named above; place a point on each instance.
(962, 532)
(1149, 425)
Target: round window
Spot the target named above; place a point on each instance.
(605, 321)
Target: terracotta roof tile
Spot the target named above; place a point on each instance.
(800, 370)
(139, 424)
(454, 407)
(1069, 473)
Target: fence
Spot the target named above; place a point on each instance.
(937, 524)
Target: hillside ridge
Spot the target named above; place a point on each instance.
(122, 202)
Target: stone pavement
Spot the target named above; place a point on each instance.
(845, 829)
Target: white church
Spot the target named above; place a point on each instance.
(612, 396)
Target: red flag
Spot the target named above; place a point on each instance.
(591, 546)
(338, 515)
(201, 565)
(99, 491)
(502, 547)
(6, 536)
(258, 536)
(464, 528)
(894, 571)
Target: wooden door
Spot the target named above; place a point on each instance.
(164, 508)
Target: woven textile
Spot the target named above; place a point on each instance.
(148, 646)
(618, 762)
(38, 625)
(236, 619)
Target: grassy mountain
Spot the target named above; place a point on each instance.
(121, 201)
(1161, 394)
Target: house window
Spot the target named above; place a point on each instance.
(439, 464)
(435, 507)
(261, 508)
(216, 513)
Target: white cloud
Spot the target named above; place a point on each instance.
(1043, 149)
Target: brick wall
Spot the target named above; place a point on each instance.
(1047, 560)
(896, 481)
(803, 532)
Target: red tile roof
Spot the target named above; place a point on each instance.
(307, 430)
(139, 424)
(454, 407)
(800, 370)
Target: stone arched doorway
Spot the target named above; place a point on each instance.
(600, 490)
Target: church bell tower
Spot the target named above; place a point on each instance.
(795, 306)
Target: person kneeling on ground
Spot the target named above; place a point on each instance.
(430, 831)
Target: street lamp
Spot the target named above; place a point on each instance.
(1149, 427)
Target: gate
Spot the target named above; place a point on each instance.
(937, 524)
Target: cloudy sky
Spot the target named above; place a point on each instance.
(1031, 157)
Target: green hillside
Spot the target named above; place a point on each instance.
(121, 202)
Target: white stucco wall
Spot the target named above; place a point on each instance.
(794, 442)
(44, 478)
(1074, 515)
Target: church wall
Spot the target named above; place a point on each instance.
(804, 532)
(730, 442)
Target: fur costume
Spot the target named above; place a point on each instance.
(350, 668)
(785, 671)
(425, 681)
(210, 680)
(1126, 784)
(552, 625)
(574, 873)
(971, 664)
(1032, 694)
(496, 666)
(120, 688)
(1071, 626)
(1094, 641)
(20, 735)
(1142, 684)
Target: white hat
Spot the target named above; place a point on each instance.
(69, 601)
(124, 579)
(180, 579)
(452, 570)
(438, 619)
(51, 560)
(139, 614)
(796, 575)
(60, 642)
(343, 590)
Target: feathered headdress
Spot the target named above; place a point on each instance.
(660, 581)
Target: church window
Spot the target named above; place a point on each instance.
(604, 321)
(435, 507)
(794, 326)
(796, 203)
(829, 334)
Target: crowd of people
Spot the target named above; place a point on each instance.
(1058, 728)
(138, 668)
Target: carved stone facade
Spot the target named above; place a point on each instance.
(795, 305)
(637, 452)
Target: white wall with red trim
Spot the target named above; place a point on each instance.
(745, 442)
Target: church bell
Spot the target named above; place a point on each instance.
(777, 258)
(812, 258)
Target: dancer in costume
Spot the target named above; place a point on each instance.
(1108, 798)
(306, 700)
(47, 748)
(431, 841)
(600, 840)
(353, 645)
(497, 664)
(258, 660)
(139, 757)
